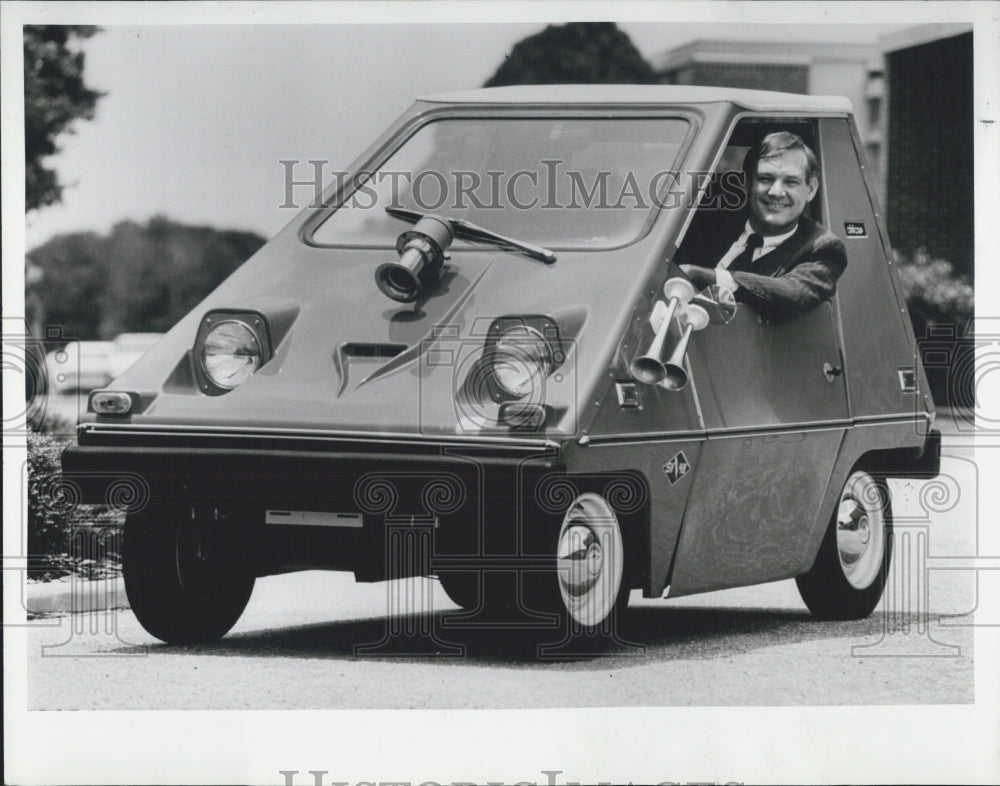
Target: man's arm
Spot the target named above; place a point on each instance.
(809, 283)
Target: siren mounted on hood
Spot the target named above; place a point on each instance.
(421, 254)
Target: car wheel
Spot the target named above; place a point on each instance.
(587, 588)
(187, 581)
(461, 587)
(850, 571)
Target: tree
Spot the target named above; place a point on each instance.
(575, 53)
(54, 96)
(138, 278)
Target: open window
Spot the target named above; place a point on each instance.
(725, 198)
(784, 365)
(729, 182)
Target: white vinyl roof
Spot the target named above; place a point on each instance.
(758, 100)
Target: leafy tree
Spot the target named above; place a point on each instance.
(54, 96)
(140, 277)
(575, 53)
(69, 285)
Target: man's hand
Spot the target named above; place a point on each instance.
(701, 277)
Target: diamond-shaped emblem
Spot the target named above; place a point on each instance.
(676, 468)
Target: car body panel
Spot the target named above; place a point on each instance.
(878, 340)
(754, 375)
(752, 509)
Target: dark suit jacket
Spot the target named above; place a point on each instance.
(789, 280)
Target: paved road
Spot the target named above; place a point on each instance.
(295, 646)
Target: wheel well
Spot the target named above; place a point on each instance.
(923, 461)
(627, 492)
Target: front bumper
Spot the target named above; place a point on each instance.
(468, 499)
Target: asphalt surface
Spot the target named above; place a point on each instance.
(318, 640)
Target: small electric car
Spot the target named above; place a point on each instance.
(474, 358)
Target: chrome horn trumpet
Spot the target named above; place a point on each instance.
(421, 254)
(649, 367)
(691, 319)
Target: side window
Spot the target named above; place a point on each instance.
(781, 366)
(725, 196)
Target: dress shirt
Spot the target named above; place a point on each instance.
(722, 275)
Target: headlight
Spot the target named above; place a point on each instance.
(231, 352)
(521, 359)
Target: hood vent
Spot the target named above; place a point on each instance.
(361, 350)
(366, 357)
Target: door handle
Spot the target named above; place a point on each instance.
(831, 372)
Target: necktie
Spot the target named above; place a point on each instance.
(745, 260)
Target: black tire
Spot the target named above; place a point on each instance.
(187, 582)
(461, 587)
(846, 581)
(492, 592)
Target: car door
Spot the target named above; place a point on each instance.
(774, 406)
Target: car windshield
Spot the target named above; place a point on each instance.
(557, 182)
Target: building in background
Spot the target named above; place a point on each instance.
(928, 155)
(912, 98)
(852, 70)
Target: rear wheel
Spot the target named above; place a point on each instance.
(849, 575)
(187, 578)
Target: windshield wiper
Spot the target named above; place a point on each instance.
(469, 231)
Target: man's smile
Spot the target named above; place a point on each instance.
(782, 186)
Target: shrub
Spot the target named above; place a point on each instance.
(935, 293)
(938, 296)
(63, 536)
(49, 502)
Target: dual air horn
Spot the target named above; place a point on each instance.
(693, 312)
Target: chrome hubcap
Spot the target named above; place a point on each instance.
(595, 559)
(580, 559)
(860, 530)
(589, 559)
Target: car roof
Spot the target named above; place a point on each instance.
(758, 100)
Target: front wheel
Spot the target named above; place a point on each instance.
(187, 577)
(849, 575)
(587, 588)
(461, 587)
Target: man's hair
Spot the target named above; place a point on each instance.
(774, 145)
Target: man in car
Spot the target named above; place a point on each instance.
(771, 257)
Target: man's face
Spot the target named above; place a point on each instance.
(780, 192)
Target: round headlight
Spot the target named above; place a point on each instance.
(231, 353)
(522, 358)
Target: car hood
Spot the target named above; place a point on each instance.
(348, 359)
